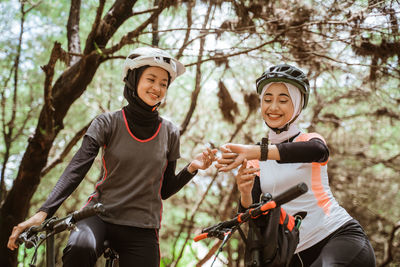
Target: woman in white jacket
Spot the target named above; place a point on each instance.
(329, 236)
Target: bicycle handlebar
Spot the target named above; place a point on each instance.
(88, 212)
(219, 229)
(54, 225)
(291, 194)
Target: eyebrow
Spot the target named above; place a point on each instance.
(281, 94)
(154, 76)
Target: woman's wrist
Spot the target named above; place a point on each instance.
(246, 200)
(191, 169)
(253, 152)
(40, 216)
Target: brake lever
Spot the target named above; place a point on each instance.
(30, 239)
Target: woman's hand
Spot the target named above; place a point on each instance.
(232, 155)
(245, 181)
(36, 219)
(203, 160)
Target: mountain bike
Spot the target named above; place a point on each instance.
(34, 236)
(224, 230)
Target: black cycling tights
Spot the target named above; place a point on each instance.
(135, 246)
(347, 246)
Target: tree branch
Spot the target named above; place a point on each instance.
(197, 88)
(218, 58)
(66, 150)
(188, 30)
(127, 38)
(74, 42)
(390, 246)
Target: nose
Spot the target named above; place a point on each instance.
(156, 87)
(274, 105)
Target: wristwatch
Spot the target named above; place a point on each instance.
(264, 149)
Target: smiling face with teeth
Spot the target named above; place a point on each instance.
(277, 106)
(152, 85)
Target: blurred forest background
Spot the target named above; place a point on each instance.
(61, 64)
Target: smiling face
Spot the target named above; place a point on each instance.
(152, 85)
(277, 106)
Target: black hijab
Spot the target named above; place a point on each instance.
(143, 120)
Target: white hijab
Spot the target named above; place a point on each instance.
(297, 100)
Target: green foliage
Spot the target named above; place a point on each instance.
(354, 110)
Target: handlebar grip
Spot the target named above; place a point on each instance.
(87, 212)
(20, 239)
(28, 237)
(291, 194)
(29, 243)
(200, 237)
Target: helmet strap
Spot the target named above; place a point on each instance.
(284, 128)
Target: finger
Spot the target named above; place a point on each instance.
(213, 154)
(244, 164)
(210, 155)
(244, 175)
(243, 167)
(229, 155)
(219, 166)
(245, 178)
(235, 164)
(224, 149)
(205, 157)
(227, 168)
(11, 241)
(225, 161)
(223, 168)
(250, 170)
(10, 244)
(247, 185)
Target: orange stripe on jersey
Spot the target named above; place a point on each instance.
(307, 137)
(316, 186)
(316, 183)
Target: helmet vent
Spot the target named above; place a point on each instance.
(133, 56)
(296, 73)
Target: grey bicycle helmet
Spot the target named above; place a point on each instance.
(288, 74)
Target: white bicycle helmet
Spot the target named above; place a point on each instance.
(154, 57)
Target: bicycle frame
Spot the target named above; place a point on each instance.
(225, 229)
(50, 255)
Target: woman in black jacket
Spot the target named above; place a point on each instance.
(139, 154)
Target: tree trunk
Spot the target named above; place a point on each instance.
(68, 87)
